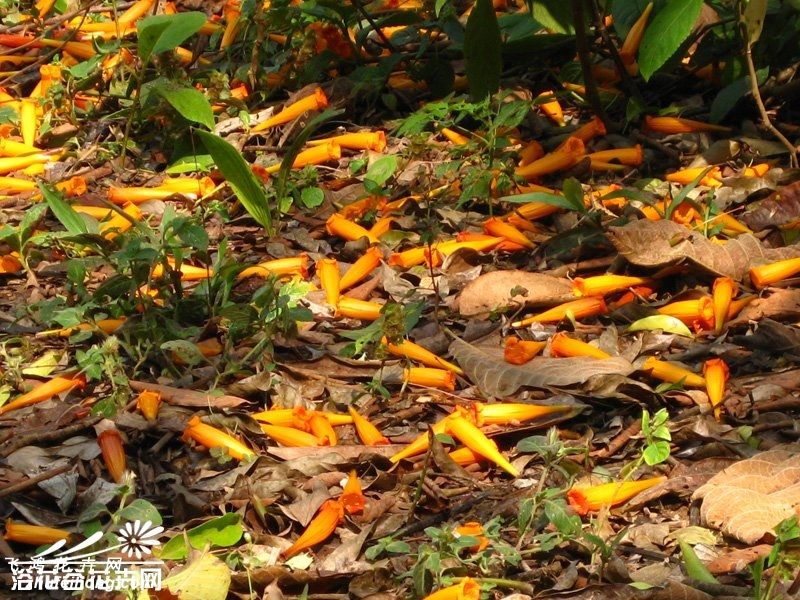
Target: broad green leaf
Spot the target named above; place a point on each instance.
(142, 511)
(190, 164)
(482, 50)
(184, 350)
(753, 18)
(666, 323)
(693, 565)
(247, 188)
(160, 33)
(545, 198)
(554, 15)
(44, 365)
(573, 192)
(62, 211)
(222, 532)
(382, 169)
(665, 34)
(656, 453)
(190, 103)
(312, 197)
(729, 96)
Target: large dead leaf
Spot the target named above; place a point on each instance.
(505, 289)
(780, 208)
(660, 243)
(495, 377)
(781, 305)
(749, 498)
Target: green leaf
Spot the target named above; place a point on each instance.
(554, 15)
(62, 211)
(666, 323)
(729, 96)
(382, 169)
(237, 172)
(191, 164)
(160, 33)
(184, 350)
(312, 197)
(693, 565)
(189, 102)
(140, 510)
(573, 192)
(222, 532)
(753, 18)
(665, 34)
(656, 453)
(482, 50)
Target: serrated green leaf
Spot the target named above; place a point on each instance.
(483, 50)
(665, 34)
(665, 323)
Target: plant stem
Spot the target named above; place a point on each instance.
(582, 43)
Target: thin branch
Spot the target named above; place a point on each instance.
(592, 94)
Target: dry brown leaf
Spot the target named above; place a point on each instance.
(493, 291)
(191, 398)
(737, 560)
(660, 243)
(781, 305)
(781, 207)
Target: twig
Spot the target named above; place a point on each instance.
(32, 481)
(618, 442)
(592, 95)
(360, 8)
(48, 436)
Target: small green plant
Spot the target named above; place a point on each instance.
(101, 362)
(657, 437)
(782, 561)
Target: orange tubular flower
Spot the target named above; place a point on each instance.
(716, 373)
(33, 535)
(319, 529)
(117, 224)
(581, 308)
(433, 378)
(361, 268)
(474, 439)
(110, 442)
(412, 351)
(672, 373)
(289, 436)
(504, 246)
(566, 156)
(188, 272)
(28, 121)
(191, 188)
(536, 210)
(590, 498)
(352, 497)
(420, 444)
(678, 125)
(467, 589)
(211, 437)
(765, 275)
(756, 170)
(531, 152)
(12, 148)
(634, 38)
(473, 529)
(601, 285)
(483, 245)
(45, 391)
(507, 413)
(322, 429)
(381, 226)
(551, 107)
(698, 314)
(316, 101)
(367, 432)
(359, 208)
(562, 345)
(724, 290)
(687, 176)
(627, 156)
(136, 11)
(500, 228)
(590, 130)
(231, 12)
(737, 305)
(328, 273)
(464, 457)
(296, 265)
(315, 155)
(361, 140)
(9, 264)
(454, 137)
(9, 164)
(409, 258)
(107, 326)
(520, 352)
(358, 309)
(149, 403)
(730, 225)
(339, 226)
(286, 417)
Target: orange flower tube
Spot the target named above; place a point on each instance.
(420, 444)
(358, 309)
(507, 413)
(580, 309)
(737, 305)
(473, 529)
(500, 228)
(562, 345)
(28, 121)
(286, 417)
(9, 164)
(296, 265)
(429, 377)
(531, 152)
(211, 437)
(698, 313)
(381, 226)
(108, 326)
(412, 351)
(12, 148)
(632, 157)
(319, 529)
(730, 225)
(756, 170)
(464, 457)
(678, 125)
(590, 130)
(329, 277)
(352, 497)
(454, 137)
(322, 429)
(765, 275)
(315, 155)
(590, 498)
(339, 226)
(362, 140)
(359, 208)
(367, 432)
(536, 210)
(361, 268)
(724, 289)
(289, 436)
(601, 285)
(672, 373)
(188, 272)
(474, 439)
(45, 391)
(117, 224)
(504, 246)
(716, 373)
(634, 38)
(551, 107)
(231, 12)
(482, 245)
(687, 176)
(149, 403)
(567, 155)
(191, 188)
(409, 258)
(316, 101)
(520, 352)
(136, 11)
(467, 589)
(33, 535)
(110, 442)
(9, 264)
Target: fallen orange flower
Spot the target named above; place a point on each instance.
(9, 164)
(551, 107)
(329, 277)
(315, 155)
(361, 268)
(590, 498)
(232, 11)
(117, 223)
(296, 265)
(316, 101)
(12, 148)
(289, 436)
(9, 264)
(504, 246)
(420, 443)
(473, 529)
(730, 225)
(687, 176)
(381, 226)
(627, 156)
(561, 345)
(520, 352)
(317, 425)
(474, 439)
(110, 442)
(45, 391)
(531, 152)
(321, 527)
(33, 535)
(367, 432)
(590, 130)
(567, 155)
(412, 351)
(678, 125)
(208, 348)
(499, 228)
(191, 188)
(601, 285)
(672, 373)
(756, 170)
(464, 457)
(724, 289)
(737, 305)
(28, 121)
(188, 272)
(482, 245)
(149, 403)
(580, 309)
(362, 140)
(211, 437)
(358, 309)
(716, 373)
(429, 377)
(359, 208)
(507, 413)
(339, 226)
(107, 326)
(765, 275)
(352, 498)
(698, 314)
(467, 589)
(634, 38)
(410, 258)
(286, 417)
(454, 137)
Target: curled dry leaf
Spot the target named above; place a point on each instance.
(512, 289)
(780, 208)
(781, 305)
(191, 398)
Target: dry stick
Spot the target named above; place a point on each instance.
(618, 442)
(32, 481)
(582, 43)
(368, 17)
(48, 436)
